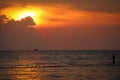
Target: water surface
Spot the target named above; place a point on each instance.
(59, 65)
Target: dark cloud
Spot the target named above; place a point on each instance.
(17, 34)
(111, 6)
(2, 5)
(56, 19)
(86, 5)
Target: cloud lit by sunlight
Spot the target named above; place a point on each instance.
(47, 16)
(17, 13)
(25, 14)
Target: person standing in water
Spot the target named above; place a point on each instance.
(113, 56)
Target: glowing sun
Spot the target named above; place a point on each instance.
(26, 14)
(22, 14)
(18, 13)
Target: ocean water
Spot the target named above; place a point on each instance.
(59, 65)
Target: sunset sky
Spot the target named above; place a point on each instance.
(60, 24)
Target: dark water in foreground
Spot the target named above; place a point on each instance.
(59, 65)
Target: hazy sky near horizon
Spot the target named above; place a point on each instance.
(60, 24)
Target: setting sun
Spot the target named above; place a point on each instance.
(17, 13)
(25, 14)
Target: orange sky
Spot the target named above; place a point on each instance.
(62, 16)
(60, 24)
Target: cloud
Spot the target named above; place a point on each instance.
(2, 6)
(17, 34)
(111, 6)
(56, 20)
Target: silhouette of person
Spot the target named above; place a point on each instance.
(113, 58)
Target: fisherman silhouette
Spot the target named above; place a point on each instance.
(113, 56)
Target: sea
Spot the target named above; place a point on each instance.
(60, 65)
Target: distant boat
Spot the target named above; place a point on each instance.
(36, 49)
